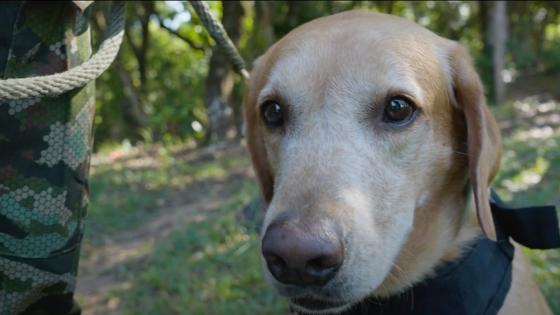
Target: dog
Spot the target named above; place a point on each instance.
(374, 150)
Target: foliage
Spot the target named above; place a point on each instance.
(172, 93)
(178, 49)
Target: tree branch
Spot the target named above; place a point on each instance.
(135, 49)
(135, 109)
(187, 40)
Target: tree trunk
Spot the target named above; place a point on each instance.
(220, 79)
(385, 6)
(498, 36)
(415, 12)
(493, 29)
(264, 19)
(148, 7)
(133, 111)
(518, 31)
(134, 114)
(539, 38)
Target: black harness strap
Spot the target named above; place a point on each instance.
(533, 227)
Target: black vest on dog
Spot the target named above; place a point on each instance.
(478, 283)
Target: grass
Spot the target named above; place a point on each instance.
(530, 175)
(212, 265)
(207, 266)
(136, 188)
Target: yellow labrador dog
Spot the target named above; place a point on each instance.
(365, 131)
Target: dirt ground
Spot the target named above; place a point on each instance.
(99, 269)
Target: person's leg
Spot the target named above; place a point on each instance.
(45, 146)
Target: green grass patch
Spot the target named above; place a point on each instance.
(123, 197)
(530, 175)
(209, 267)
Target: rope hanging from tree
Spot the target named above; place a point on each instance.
(219, 34)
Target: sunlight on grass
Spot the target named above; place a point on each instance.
(530, 175)
(527, 177)
(127, 193)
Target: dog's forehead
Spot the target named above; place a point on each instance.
(354, 52)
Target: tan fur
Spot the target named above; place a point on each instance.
(398, 196)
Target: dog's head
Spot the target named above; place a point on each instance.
(366, 132)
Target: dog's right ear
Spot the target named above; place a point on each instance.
(253, 134)
(483, 136)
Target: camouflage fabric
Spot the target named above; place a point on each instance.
(45, 146)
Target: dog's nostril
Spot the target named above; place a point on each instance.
(323, 262)
(315, 264)
(323, 268)
(276, 260)
(320, 265)
(276, 264)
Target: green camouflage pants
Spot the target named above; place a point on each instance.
(45, 144)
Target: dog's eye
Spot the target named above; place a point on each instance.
(272, 114)
(398, 111)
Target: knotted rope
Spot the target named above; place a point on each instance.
(60, 83)
(219, 34)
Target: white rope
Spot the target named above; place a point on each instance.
(60, 83)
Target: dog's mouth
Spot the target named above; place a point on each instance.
(311, 305)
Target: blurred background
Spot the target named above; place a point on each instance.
(173, 217)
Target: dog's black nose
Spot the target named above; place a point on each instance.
(299, 256)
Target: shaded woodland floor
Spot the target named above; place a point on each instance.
(173, 230)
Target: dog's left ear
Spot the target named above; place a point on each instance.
(483, 136)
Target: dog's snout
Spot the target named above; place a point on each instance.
(302, 256)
